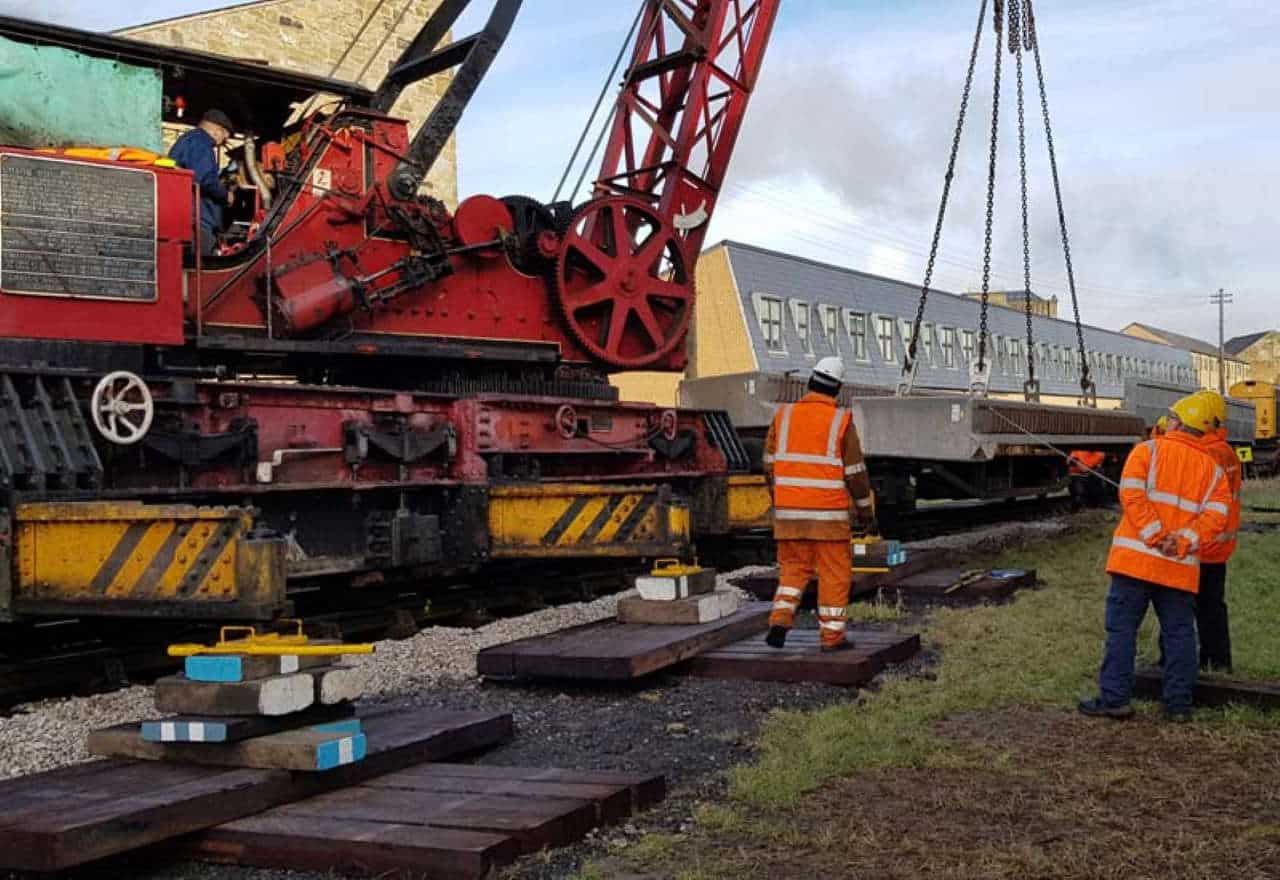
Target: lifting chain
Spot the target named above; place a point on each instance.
(909, 357)
(1018, 39)
(1017, 25)
(998, 24)
(1089, 391)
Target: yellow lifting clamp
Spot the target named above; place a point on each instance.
(247, 640)
(867, 541)
(670, 566)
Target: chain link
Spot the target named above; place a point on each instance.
(1016, 40)
(1086, 382)
(910, 355)
(998, 24)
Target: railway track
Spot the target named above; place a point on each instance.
(77, 657)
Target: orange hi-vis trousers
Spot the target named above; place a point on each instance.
(799, 561)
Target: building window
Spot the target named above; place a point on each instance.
(831, 326)
(904, 331)
(927, 340)
(858, 335)
(800, 317)
(949, 347)
(771, 322)
(1002, 353)
(1015, 356)
(968, 339)
(884, 333)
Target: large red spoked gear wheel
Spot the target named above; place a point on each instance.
(623, 282)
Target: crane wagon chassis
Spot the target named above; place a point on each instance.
(243, 492)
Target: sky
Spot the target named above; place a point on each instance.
(1166, 116)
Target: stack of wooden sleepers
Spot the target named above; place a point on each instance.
(265, 761)
(285, 712)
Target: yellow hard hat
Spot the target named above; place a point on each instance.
(1162, 424)
(1217, 406)
(1195, 411)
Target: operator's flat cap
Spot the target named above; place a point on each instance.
(217, 117)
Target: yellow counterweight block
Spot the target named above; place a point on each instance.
(556, 520)
(128, 558)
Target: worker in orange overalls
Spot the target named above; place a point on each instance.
(814, 464)
(1211, 605)
(1084, 469)
(1175, 500)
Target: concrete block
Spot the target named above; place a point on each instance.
(665, 587)
(689, 610)
(339, 684)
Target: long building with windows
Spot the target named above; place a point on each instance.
(763, 311)
(1204, 355)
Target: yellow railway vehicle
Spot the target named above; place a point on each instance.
(1265, 397)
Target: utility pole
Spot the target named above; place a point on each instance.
(1220, 299)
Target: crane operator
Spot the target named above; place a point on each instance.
(813, 460)
(197, 151)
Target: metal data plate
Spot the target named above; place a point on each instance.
(77, 229)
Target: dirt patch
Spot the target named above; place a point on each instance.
(1036, 794)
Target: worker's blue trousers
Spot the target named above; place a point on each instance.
(1126, 607)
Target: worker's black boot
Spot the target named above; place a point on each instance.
(777, 636)
(1095, 708)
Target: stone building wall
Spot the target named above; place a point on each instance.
(316, 37)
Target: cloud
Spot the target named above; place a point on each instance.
(1167, 195)
(90, 16)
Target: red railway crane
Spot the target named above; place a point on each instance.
(376, 374)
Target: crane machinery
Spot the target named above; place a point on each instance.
(362, 388)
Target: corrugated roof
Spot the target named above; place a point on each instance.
(760, 271)
(1240, 343)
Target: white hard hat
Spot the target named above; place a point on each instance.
(830, 368)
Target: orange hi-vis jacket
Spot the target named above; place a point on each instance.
(815, 461)
(1082, 462)
(1170, 487)
(1215, 443)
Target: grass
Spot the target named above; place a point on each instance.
(1264, 493)
(878, 610)
(1041, 650)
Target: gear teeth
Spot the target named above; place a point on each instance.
(580, 333)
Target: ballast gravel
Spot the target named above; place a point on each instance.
(50, 733)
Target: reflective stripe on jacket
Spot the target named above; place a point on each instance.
(1170, 488)
(1220, 549)
(815, 461)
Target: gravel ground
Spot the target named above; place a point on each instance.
(688, 729)
(50, 733)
